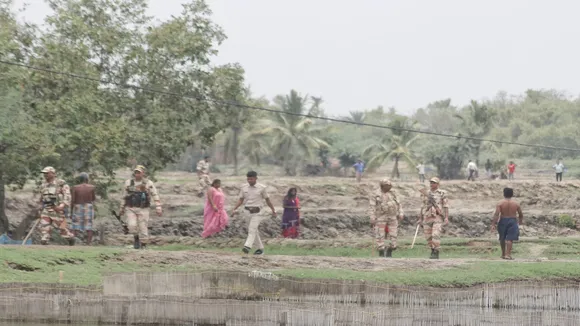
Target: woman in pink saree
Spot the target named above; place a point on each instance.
(215, 217)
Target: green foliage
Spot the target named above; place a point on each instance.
(566, 221)
(294, 139)
(396, 145)
(80, 125)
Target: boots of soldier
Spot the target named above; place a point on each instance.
(71, 241)
(381, 252)
(390, 252)
(432, 254)
(136, 243)
(435, 254)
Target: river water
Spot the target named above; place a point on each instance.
(228, 314)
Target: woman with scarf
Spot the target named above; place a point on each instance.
(215, 217)
(291, 217)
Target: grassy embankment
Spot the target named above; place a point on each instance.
(86, 265)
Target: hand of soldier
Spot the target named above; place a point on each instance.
(274, 213)
(446, 221)
(492, 227)
(401, 217)
(419, 222)
(159, 210)
(59, 208)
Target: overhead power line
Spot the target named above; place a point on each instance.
(240, 105)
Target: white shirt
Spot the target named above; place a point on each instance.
(421, 168)
(559, 167)
(471, 166)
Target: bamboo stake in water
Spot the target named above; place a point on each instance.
(415, 238)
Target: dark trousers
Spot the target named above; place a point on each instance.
(559, 176)
(471, 175)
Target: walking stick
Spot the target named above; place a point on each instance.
(415, 238)
(31, 230)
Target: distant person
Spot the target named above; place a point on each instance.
(291, 216)
(511, 170)
(472, 169)
(252, 196)
(508, 225)
(559, 168)
(215, 217)
(421, 170)
(488, 167)
(83, 204)
(359, 168)
(202, 170)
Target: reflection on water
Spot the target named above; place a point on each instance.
(238, 313)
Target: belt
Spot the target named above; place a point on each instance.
(252, 209)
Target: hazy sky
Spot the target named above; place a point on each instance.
(404, 53)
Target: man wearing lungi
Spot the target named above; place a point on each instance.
(508, 225)
(54, 198)
(83, 199)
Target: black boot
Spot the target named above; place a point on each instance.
(381, 252)
(136, 243)
(432, 253)
(435, 254)
(245, 250)
(389, 252)
(71, 241)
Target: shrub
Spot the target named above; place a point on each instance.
(566, 221)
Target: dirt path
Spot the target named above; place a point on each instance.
(537, 250)
(232, 261)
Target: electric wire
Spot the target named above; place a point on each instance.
(245, 106)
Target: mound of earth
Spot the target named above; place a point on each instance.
(337, 207)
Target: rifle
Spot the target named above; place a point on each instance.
(432, 201)
(125, 227)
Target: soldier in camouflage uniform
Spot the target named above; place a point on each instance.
(54, 197)
(434, 214)
(137, 194)
(385, 210)
(203, 176)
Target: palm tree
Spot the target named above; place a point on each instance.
(356, 116)
(396, 145)
(293, 137)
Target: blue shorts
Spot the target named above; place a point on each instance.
(508, 229)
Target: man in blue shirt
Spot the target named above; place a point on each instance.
(359, 167)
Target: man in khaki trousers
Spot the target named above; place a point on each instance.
(252, 195)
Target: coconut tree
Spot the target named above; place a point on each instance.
(294, 137)
(395, 145)
(356, 116)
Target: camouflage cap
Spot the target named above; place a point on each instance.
(48, 169)
(140, 168)
(434, 179)
(385, 182)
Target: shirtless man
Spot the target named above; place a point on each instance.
(508, 226)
